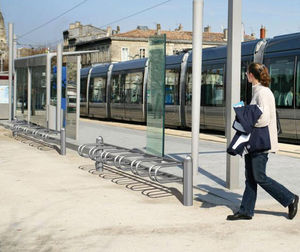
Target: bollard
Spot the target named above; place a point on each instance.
(99, 165)
(62, 141)
(188, 181)
(99, 140)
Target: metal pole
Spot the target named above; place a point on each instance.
(78, 96)
(188, 181)
(197, 69)
(58, 84)
(98, 164)
(48, 86)
(233, 84)
(10, 67)
(62, 141)
(28, 94)
(15, 77)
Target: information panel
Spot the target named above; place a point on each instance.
(156, 96)
(4, 94)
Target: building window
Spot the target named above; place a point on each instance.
(124, 53)
(142, 53)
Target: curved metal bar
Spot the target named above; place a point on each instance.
(172, 178)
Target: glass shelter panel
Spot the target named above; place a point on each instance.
(282, 80)
(156, 96)
(38, 96)
(53, 94)
(22, 94)
(69, 93)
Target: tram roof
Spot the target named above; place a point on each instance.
(84, 71)
(220, 52)
(100, 70)
(129, 65)
(283, 43)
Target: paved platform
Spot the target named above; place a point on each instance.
(211, 177)
(58, 203)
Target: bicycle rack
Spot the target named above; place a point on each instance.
(36, 132)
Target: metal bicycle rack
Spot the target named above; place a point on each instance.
(136, 161)
(23, 128)
(140, 164)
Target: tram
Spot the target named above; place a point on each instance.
(118, 90)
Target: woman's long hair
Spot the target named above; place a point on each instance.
(260, 72)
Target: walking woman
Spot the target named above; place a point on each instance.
(255, 163)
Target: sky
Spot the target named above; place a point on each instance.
(279, 17)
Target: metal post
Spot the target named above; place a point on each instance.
(62, 141)
(15, 77)
(98, 164)
(78, 96)
(48, 86)
(233, 84)
(58, 90)
(188, 182)
(197, 69)
(10, 68)
(28, 94)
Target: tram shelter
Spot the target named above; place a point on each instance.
(37, 91)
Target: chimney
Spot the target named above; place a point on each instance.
(158, 29)
(225, 33)
(263, 32)
(180, 27)
(207, 29)
(108, 31)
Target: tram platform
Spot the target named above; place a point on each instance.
(51, 202)
(211, 178)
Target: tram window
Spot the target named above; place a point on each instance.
(134, 88)
(297, 96)
(98, 89)
(171, 86)
(282, 78)
(246, 88)
(116, 89)
(83, 82)
(189, 88)
(212, 90)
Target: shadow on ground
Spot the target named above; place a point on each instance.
(134, 183)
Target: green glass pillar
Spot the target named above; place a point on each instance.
(156, 96)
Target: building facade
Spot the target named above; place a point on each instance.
(3, 46)
(115, 46)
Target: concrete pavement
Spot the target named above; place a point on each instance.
(57, 203)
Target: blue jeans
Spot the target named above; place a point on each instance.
(255, 173)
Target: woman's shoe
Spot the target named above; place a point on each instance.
(238, 216)
(293, 207)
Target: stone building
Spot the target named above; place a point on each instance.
(3, 46)
(116, 46)
(78, 33)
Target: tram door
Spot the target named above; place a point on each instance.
(246, 87)
(117, 104)
(297, 98)
(213, 96)
(134, 96)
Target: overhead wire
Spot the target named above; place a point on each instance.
(136, 13)
(53, 19)
(113, 22)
